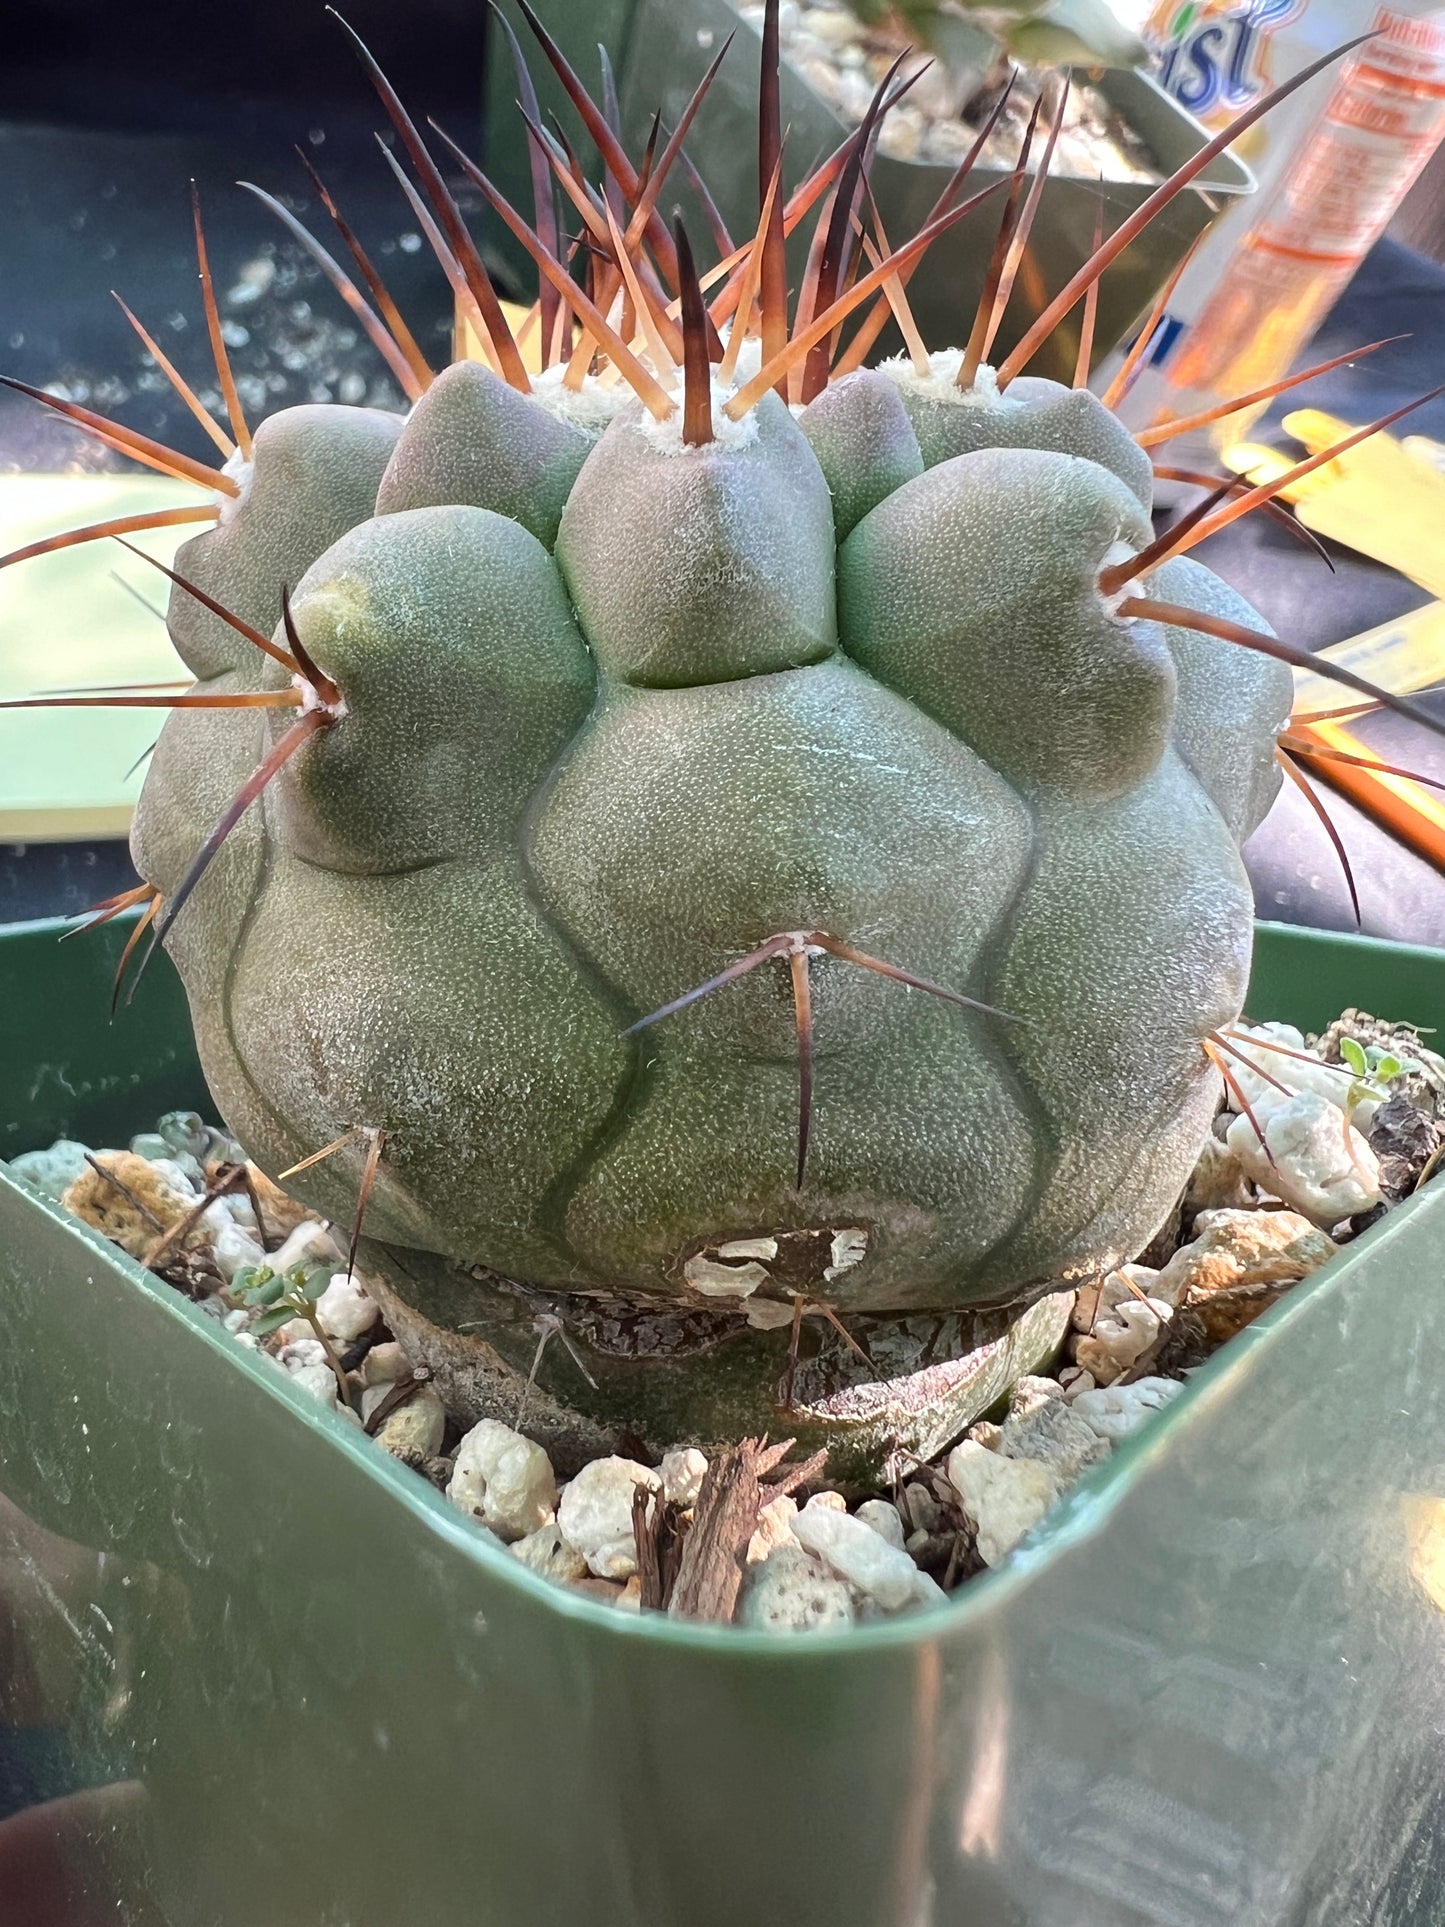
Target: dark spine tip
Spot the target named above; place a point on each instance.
(697, 426)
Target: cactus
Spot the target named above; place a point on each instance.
(1061, 33)
(728, 854)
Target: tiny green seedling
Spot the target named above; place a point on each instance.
(1373, 1070)
(280, 1297)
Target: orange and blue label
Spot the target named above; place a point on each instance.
(1212, 58)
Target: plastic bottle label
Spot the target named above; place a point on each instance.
(1333, 166)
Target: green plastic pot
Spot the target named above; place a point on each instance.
(660, 50)
(274, 1680)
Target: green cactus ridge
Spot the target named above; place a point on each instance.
(619, 710)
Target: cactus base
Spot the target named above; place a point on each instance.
(617, 1372)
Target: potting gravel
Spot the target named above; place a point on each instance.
(1250, 1224)
(843, 60)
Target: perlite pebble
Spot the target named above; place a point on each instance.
(1004, 1498)
(1310, 1156)
(504, 1480)
(53, 1171)
(883, 1572)
(884, 1520)
(309, 1244)
(345, 1309)
(792, 1592)
(415, 1427)
(547, 1552)
(682, 1475)
(1113, 1412)
(595, 1514)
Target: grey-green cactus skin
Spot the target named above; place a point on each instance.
(617, 712)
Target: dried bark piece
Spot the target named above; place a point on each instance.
(726, 1515)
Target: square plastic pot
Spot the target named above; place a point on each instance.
(660, 50)
(272, 1679)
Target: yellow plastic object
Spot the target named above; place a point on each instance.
(1380, 497)
(467, 346)
(1407, 809)
(1402, 656)
(66, 622)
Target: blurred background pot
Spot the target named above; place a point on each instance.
(658, 51)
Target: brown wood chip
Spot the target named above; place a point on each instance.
(714, 1552)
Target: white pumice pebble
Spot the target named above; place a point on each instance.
(1115, 1412)
(921, 1510)
(235, 1250)
(547, 1552)
(506, 1481)
(1259, 1070)
(883, 1572)
(1116, 1288)
(417, 1425)
(177, 1178)
(595, 1514)
(318, 1380)
(1004, 1498)
(791, 1591)
(346, 1309)
(682, 1475)
(927, 1591)
(1030, 1394)
(300, 1353)
(774, 1528)
(1054, 1435)
(384, 1364)
(309, 1244)
(1311, 1157)
(884, 1519)
(1122, 1338)
(54, 1170)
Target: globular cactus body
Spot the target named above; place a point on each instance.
(571, 785)
(705, 845)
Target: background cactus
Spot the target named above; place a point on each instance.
(712, 837)
(1063, 33)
